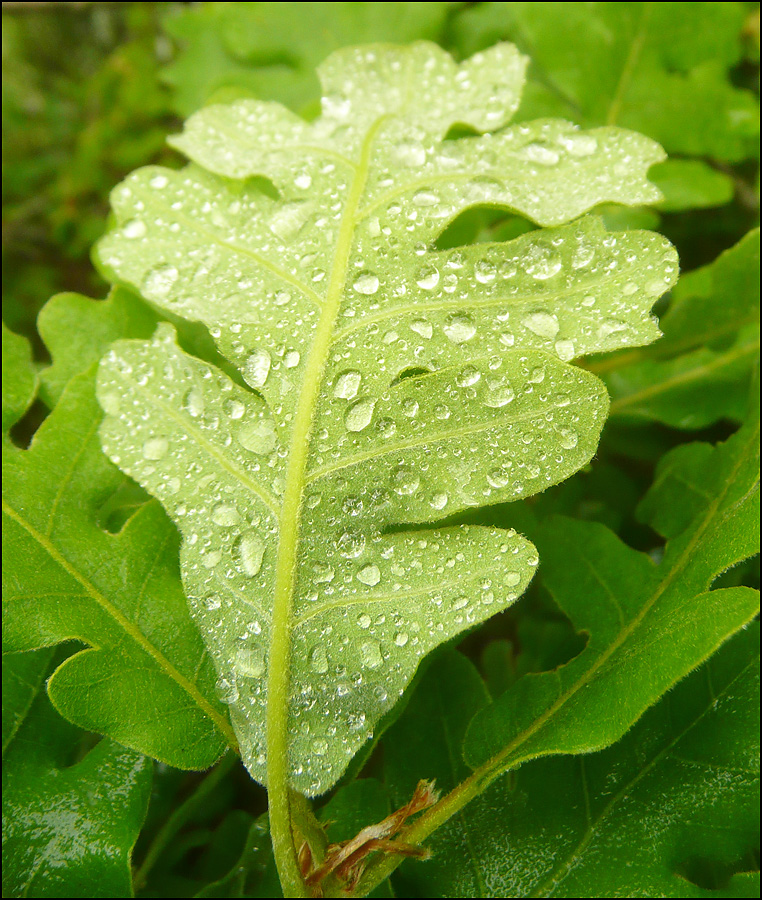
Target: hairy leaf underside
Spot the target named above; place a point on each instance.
(387, 384)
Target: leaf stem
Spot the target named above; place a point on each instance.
(180, 816)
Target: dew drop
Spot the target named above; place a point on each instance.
(251, 550)
(369, 575)
(319, 660)
(225, 515)
(359, 414)
(194, 403)
(484, 272)
(364, 620)
(366, 283)
(499, 393)
(210, 560)
(567, 438)
(159, 281)
(250, 662)
(427, 278)
(438, 500)
(351, 545)
(324, 574)
(291, 359)
(410, 154)
(370, 653)
(258, 437)
(422, 327)
(410, 407)
(347, 385)
(303, 181)
(425, 198)
(542, 323)
(135, 228)
(159, 182)
(234, 409)
(320, 746)
(155, 448)
(400, 639)
(468, 376)
(227, 690)
(405, 481)
(565, 350)
(537, 153)
(459, 328)
(257, 368)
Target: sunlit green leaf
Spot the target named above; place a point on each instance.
(324, 297)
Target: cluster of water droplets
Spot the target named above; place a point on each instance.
(359, 639)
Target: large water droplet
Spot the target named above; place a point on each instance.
(347, 385)
(351, 545)
(250, 661)
(319, 659)
(542, 323)
(227, 689)
(370, 653)
(422, 327)
(427, 278)
(259, 436)
(159, 281)
(359, 414)
(369, 575)
(194, 403)
(225, 515)
(155, 448)
(135, 228)
(565, 350)
(459, 328)
(405, 481)
(251, 550)
(366, 283)
(410, 154)
(537, 153)
(499, 393)
(257, 368)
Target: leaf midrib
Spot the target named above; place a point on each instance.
(278, 668)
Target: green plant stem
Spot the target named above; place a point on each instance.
(278, 681)
(180, 816)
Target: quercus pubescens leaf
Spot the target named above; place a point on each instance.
(709, 352)
(69, 824)
(673, 803)
(147, 681)
(315, 614)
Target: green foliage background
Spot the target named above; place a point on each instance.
(90, 92)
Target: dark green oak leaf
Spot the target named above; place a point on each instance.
(146, 681)
(671, 810)
(69, 823)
